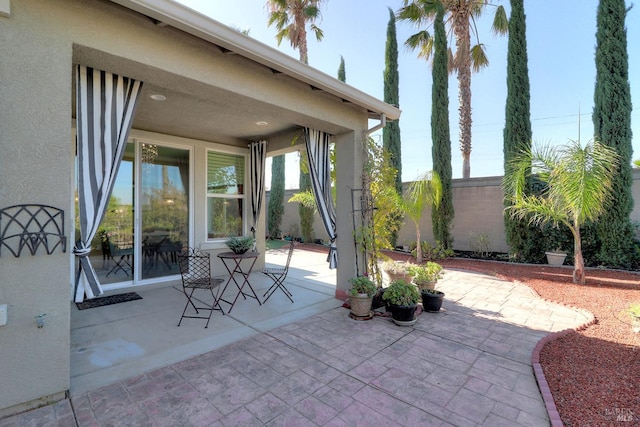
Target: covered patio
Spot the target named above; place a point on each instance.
(115, 342)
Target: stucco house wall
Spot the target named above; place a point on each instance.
(40, 42)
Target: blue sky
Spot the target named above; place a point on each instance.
(561, 48)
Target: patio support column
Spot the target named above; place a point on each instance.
(349, 167)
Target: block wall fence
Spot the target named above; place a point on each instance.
(478, 211)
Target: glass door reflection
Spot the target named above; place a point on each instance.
(164, 204)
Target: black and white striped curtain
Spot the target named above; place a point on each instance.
(257, 158)
(105, 104)
(317, 143)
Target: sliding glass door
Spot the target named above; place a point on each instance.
(147, 222)
(164, 207)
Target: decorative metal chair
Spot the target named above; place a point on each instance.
(195, 268)
(278, 274)
(120, 253)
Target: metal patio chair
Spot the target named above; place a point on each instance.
(278, 274)
(120, 253)
(195, 269)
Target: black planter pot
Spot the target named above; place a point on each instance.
(403, 313)
(377, 300)
(432, 302)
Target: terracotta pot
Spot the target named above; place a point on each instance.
(360, 305)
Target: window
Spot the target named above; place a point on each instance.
(225, 195)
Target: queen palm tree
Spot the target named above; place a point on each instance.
(461, 17)
(290, 18)
(424, 191)
(578, 188)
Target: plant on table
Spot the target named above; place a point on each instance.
(240, 245)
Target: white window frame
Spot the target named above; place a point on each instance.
(246, 191)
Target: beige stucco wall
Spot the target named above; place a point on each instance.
(38, 43)
(478, 212)
(35, 167)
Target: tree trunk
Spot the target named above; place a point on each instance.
(463, 66)
(418, 246)
(302, 35)
(578, 260)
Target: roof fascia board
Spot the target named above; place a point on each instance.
(212, 31)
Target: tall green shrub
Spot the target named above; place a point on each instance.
(342, 73)
(306, 213)
(442, 213)
(522, 238)
(391, 132)
(612, 127)
(276, 197)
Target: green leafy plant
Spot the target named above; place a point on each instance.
(401, 293)
(240, 245)
(362, 285)
(430, 252)
(480, 244)
(425, 276)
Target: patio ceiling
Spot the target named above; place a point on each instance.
(200, 111)
(196, 110)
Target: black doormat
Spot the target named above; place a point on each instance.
(112, 299)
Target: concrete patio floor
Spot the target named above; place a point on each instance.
(308, 363)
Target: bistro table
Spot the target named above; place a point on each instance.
(233, 263)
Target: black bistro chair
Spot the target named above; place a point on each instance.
(195, 269)
(278, 274)
(121, 253)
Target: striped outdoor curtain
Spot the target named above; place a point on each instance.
(317, 143)
(257, 157)
(105, 105)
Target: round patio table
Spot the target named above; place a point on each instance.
(233, 263)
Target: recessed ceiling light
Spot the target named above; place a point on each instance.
(262, 123)
(158, 97)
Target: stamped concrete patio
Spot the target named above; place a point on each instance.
(468, 365)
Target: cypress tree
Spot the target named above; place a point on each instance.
(442, 215)
(612, 127)
(342, 74)
(391, 132)
(521, 237)
(306, 214)
(276, 197)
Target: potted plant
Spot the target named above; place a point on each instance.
(634, 312)
(426, 276)
(556, 257)
(240, 245)
(360, 297)
(398, 270)
(403, 299)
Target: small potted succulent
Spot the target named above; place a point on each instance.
(403, 299)
(360, 297)
(240, 245)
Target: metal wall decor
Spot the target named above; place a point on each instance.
(32, 226)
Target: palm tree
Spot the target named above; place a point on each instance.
(290, 18)
(578, 188)
(424, 191)
(461, 17)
